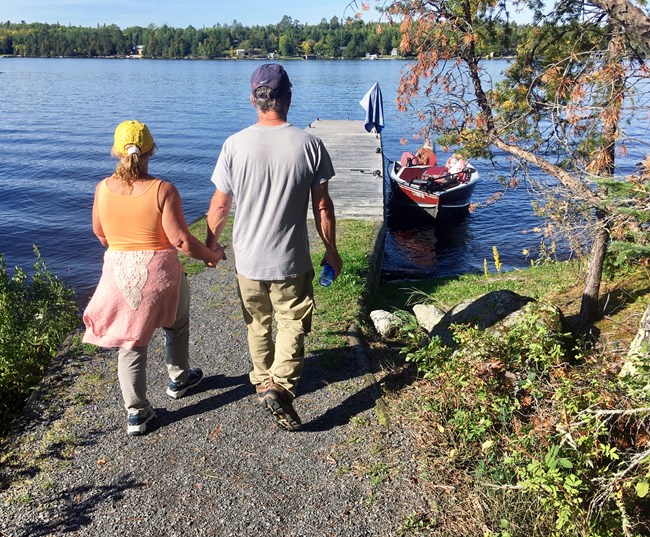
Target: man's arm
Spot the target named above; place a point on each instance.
(325, 221)
(217, 217)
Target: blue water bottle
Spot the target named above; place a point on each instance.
(326, 276)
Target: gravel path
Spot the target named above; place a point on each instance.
(214, 462)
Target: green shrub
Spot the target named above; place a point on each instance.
(524, 413)
(36, 314)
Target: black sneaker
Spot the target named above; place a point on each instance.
(136, 424)
(278, 402)
(177, 389)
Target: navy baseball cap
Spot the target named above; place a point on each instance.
(271, 75)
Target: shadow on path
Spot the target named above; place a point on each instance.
(326, 367)
(343, 413)
(240, 388)
(80, 503)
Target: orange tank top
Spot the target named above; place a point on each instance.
(132, 222)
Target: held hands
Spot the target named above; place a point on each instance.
(220, 255)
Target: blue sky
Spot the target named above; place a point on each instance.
(177, 13)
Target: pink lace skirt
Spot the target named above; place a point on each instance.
(137, 293)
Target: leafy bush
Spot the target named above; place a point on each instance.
(36, 314)
(526, 414)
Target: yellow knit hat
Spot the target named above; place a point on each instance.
(132, 133)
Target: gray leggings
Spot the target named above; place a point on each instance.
(132, 363)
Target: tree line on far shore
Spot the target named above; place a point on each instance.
(349, 39)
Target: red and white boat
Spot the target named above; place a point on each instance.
(436, 190)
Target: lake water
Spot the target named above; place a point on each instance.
(58, 117)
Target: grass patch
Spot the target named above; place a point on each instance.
(57, 414)
(339, 305)
(547, 280)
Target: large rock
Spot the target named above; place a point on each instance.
(386, 323)
(484, 312)
(548, 316)
(428, 315)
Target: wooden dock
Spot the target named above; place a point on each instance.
(358, 187)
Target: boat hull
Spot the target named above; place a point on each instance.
(434, 204)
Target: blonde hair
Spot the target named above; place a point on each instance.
(132, 166)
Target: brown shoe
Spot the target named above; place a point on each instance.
(278, 402)
(261, 389)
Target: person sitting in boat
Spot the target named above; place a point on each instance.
(424, 156)
(451, 175)
(456, 165)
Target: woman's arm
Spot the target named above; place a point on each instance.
(176, 229)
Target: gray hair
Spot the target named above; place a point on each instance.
(266, 99)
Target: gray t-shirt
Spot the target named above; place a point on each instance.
(269, 171)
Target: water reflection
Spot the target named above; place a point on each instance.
(420, 247)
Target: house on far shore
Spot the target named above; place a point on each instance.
(139, 50)
(310, 56)
(370, 56)
(271, 56)
(240, 52)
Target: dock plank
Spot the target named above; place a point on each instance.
(358, 187)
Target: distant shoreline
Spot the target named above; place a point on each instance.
(229, 58)
(225, 58)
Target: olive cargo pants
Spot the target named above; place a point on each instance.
(291, 301)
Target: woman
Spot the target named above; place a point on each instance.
(139, 219)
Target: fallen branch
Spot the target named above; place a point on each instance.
(614, 483)
(503, 487)
(622, 412)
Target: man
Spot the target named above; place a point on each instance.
(270, 169)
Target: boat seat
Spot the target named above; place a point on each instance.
(411, 173)
(436, 171)
(406, 156)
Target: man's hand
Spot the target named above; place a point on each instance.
(221, 255)
(335, 261)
